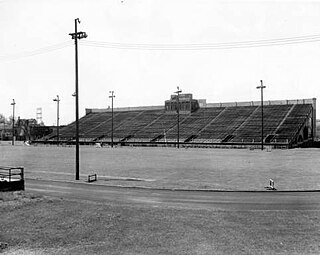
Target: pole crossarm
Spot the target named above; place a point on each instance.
(178, 91)
(56, 99)
(112, 95)
(80, 35)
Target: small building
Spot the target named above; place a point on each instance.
(186, 103)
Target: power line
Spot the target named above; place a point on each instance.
(168, 47)
(207, 46)
(129, 47)
(39, 51)
(298, 38)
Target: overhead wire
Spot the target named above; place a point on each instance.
(168, 47)
(205, 46)
(43, 50)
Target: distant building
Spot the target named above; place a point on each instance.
(24, 129)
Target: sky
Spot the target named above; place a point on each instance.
(143, 49)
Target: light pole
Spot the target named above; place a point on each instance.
(75, 36)
(261, 87)
(13, 106)
(58, 126)
(112, 96)
(178, 114)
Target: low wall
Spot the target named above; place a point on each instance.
(269, 102)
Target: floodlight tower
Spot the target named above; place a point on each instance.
(112, 96)
(13, 106)
(58, 126)
(261, 87)
(75, 36)
(178, 114)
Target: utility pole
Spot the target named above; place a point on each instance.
(261, 87)
(4, 129)
(58, 126)
(112, 96)
(178, 114)
(13, 106)
(75, 36)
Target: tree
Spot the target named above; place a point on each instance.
(9, 120)
(2, 118)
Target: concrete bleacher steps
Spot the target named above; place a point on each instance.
(293, 123)
(251, 129)
(226, 123)
(232, 124)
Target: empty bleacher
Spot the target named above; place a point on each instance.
(195, 122)
(88, 120)
(131, 126)
(103, 129)
(158, 127)
(250, 131)
(221, 124)
(293, 123)
(226, 123)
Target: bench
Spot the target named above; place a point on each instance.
(92, 177)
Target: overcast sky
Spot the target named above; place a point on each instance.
(33, 73)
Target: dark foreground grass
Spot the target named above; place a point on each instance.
(41, 225)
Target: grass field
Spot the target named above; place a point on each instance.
(41, 225)
(222, 169)
(33, 224)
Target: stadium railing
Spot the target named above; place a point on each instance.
(11, 178)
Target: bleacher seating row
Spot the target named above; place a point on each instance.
(206, 125)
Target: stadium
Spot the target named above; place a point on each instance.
(145, 196)
(203, 172)
(195, 123)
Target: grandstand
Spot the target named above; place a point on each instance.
(287, 124)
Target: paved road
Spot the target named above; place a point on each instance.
(189, 199)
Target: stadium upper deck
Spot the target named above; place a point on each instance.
(287, 123)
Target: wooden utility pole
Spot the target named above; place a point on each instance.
(58, 117)
(261, 87)
(112, 96)
(75, 36)
(178, 114)
(13, 106)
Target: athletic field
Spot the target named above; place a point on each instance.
(218, 169)
(79, 218)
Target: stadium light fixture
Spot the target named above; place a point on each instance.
(261, 87)
(178, 115)
(58, 118)
(13, 108)
(77, 36)
(112, 96)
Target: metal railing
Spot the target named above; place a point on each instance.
(10, 174)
